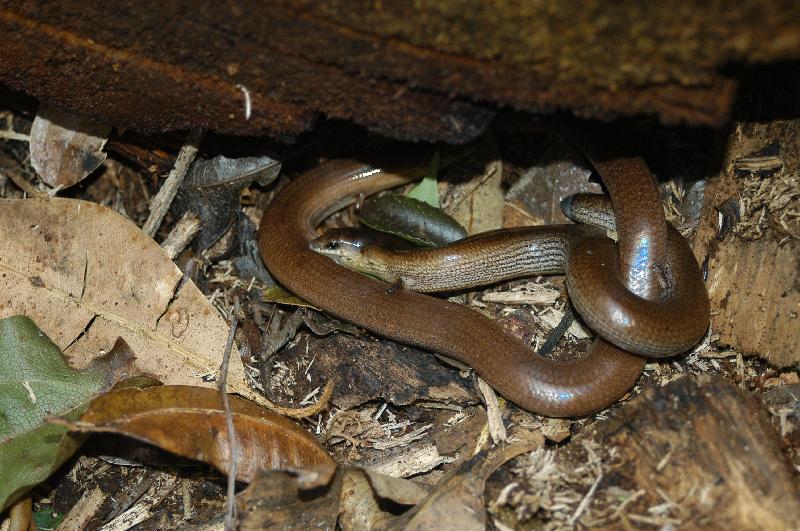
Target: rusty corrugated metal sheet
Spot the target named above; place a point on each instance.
(432, 70)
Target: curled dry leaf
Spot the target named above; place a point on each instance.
(66, 148)
(88, 276)
(314, 499)
(457, 502)
(190, 421)
(212, 187)
(367, 493)
(36, 382)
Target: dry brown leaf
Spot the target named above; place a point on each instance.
(457, 503)
(365, 493)
(481, 209)
(358, 498)
(190, 421)
(65, 148)
(538, 192)
(87, 276)
(281, 499)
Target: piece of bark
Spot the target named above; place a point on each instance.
(279, 500)
(461, 436)
(424, 70)
(370, 370)
(707, 448)
(753, 262)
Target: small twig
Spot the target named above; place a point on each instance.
(740, 370)
(301, 412)
(159, 489)
(497, 430)
(181, 234)
(163, 199)
(83, 511)
(26, 186)
(586, 499)
(7, 134)
(630, 499)
(20, 515)
(223, 381)
(267, 353)
(247, 103)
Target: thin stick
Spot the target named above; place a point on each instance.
(586, 499)
(181, 234)
(230, 509)
(7, 134)
(497, 429)
(163, 199)
(26, 186)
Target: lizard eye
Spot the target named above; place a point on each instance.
(332, 245)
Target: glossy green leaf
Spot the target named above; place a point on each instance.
(410, 219)
(36, 382)
(47, 519)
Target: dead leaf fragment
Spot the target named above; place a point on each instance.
(364, 497)
(316, 498)
(65, 148)
(211, 190)
(458, 503)
(190, 422)
(278, 499)
(98, 277)
(540, 189)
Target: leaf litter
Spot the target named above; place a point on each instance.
(90, 276)
(586, 496)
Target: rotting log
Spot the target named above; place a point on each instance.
(428, 70)
(705, 453)
(749, 240)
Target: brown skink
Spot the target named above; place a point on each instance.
(668, 326)
(542, 385)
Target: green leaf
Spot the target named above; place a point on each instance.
(410, 219)
(36, 382)
(427, 190)
(47, 519)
